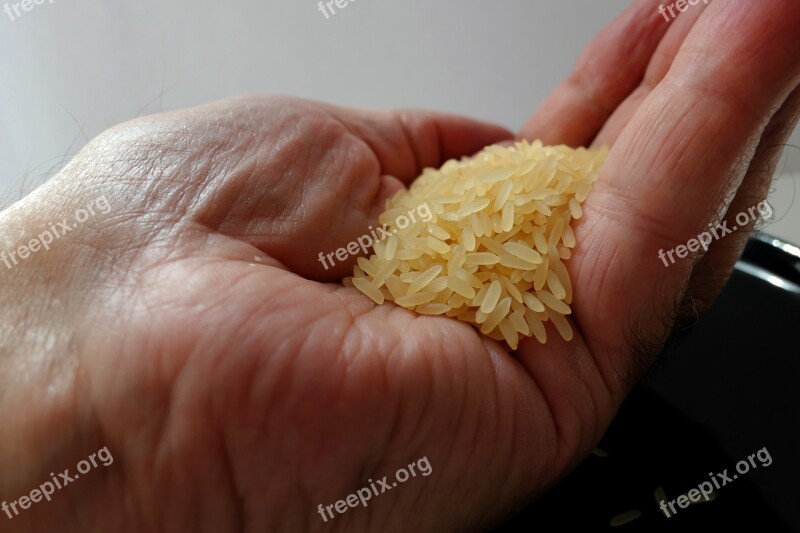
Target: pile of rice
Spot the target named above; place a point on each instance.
(493, 251)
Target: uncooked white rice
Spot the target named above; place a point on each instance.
(624, 518)
(493, 251)
(599, 452)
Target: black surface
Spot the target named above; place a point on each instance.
(726, 389)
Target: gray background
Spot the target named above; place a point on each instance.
(73, 68)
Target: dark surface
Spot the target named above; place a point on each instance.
(726, 389)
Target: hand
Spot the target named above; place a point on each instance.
(192, 332)
(189, 328)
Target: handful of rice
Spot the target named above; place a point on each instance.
(493, 251)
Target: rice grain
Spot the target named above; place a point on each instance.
(492, 252)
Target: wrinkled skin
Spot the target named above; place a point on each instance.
(193, 332)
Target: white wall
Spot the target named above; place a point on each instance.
(72, 68)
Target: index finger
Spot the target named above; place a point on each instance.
(676, 165)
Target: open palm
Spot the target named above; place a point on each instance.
(240, 386)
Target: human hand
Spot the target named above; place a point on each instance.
(240, 393)
(188, 328)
